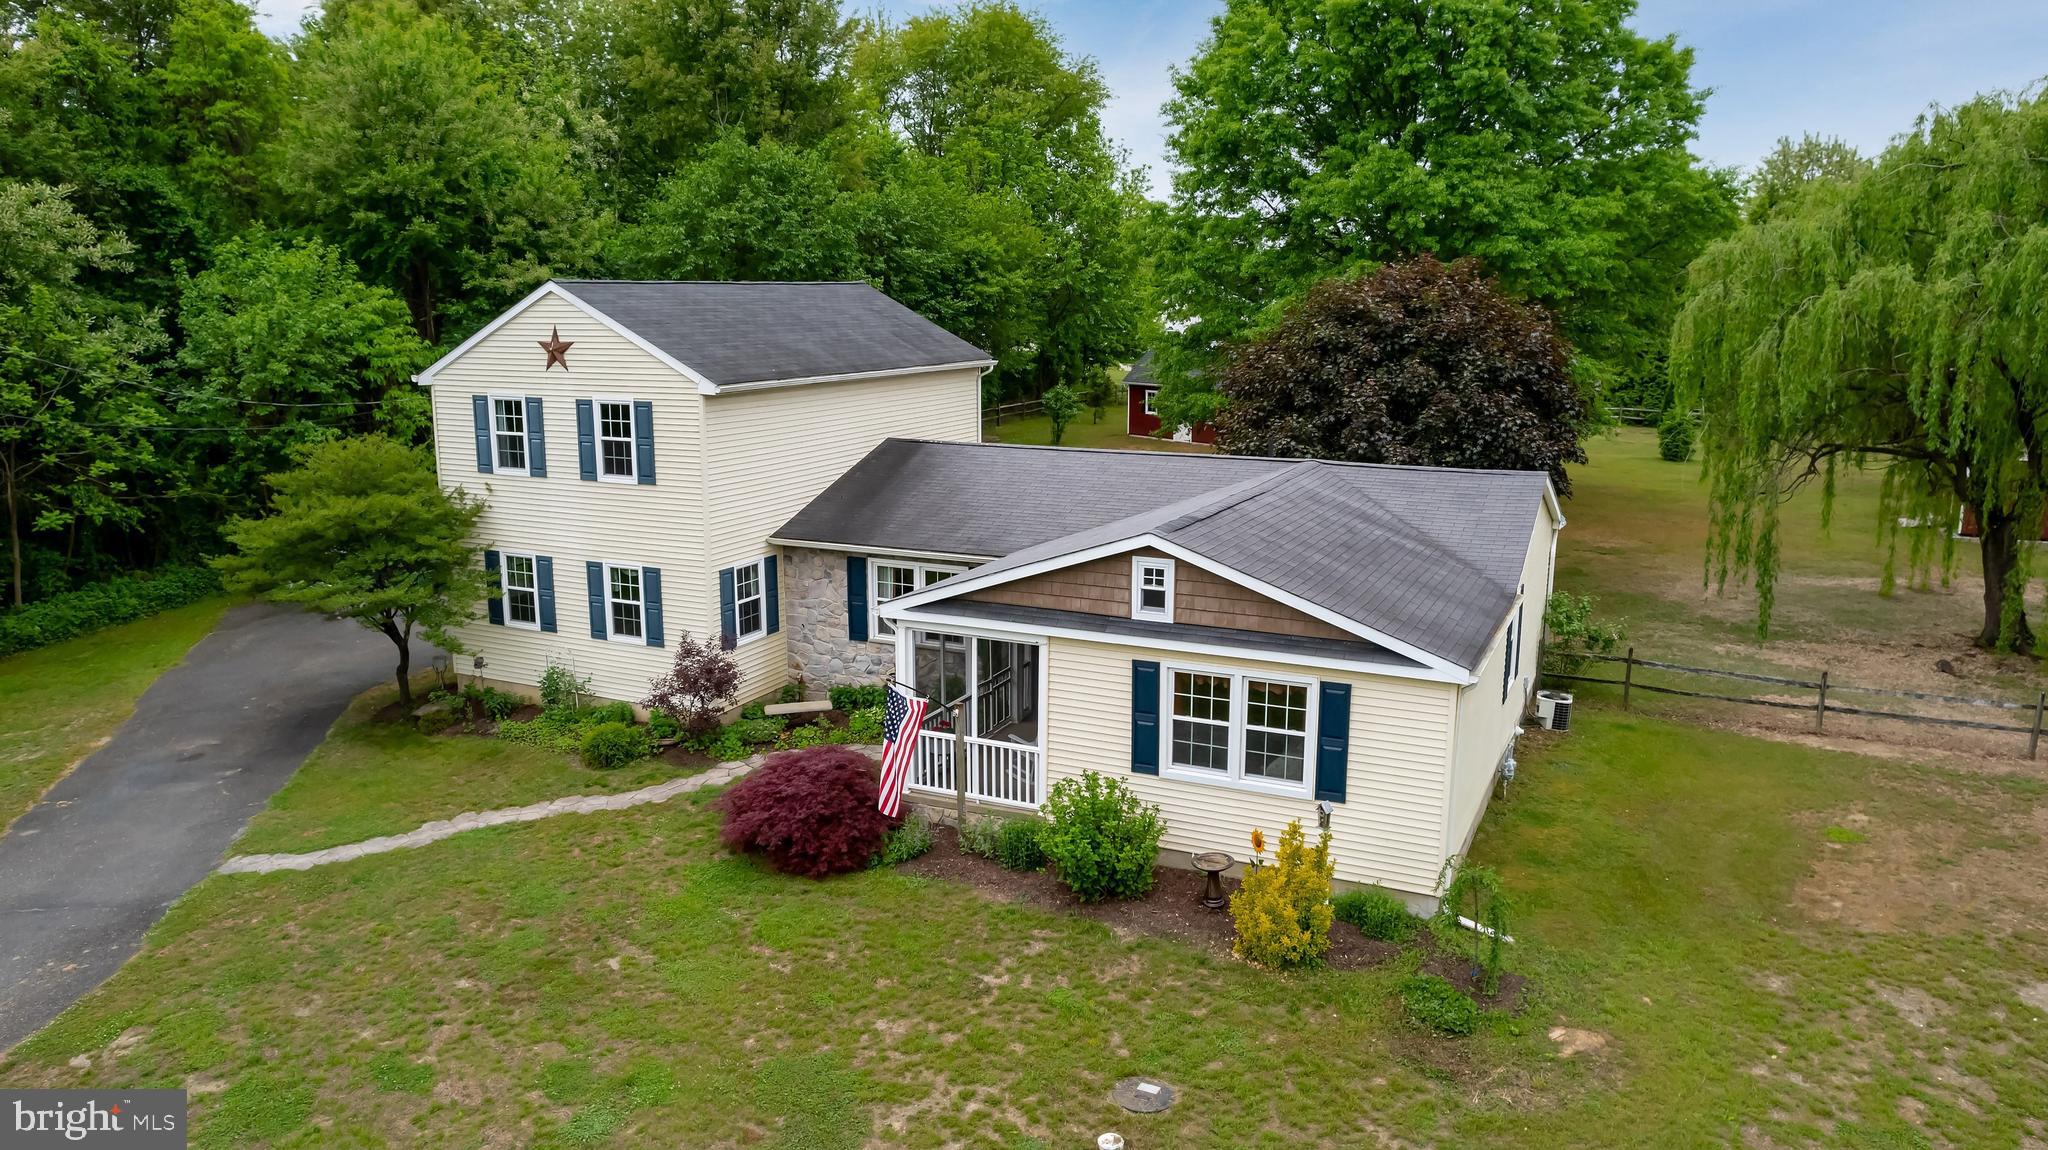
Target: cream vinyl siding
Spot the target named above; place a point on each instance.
(773, 451)
(567, 518)
(1388, 831)
(1485, 724)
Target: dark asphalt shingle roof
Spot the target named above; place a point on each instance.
(1430, 557)
(752, 332)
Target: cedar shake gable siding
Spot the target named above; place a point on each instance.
(1201, 598)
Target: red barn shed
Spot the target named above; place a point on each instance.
(1141, 389)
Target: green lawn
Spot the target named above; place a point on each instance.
(371, 779)
(616, 980)
(1086, 431)
(58, 703)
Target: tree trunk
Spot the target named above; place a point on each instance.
(404, 662)
(1999, 540)
(14, 538)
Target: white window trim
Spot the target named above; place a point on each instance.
(598, 437)
(505, 587)
(1138, 610)
(919, 570)
(1150, 394)
(610, 636)
(525, 436)
(760, 566)
(1235, 778)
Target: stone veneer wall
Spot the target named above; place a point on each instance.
(813, 585)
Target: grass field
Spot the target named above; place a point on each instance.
(371, 779)
(1698, 902)
(1111, 431)
(58, 703)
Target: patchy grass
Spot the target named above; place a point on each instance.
(616, 980)
(63, 700)
(1111, 431)
(379, 778)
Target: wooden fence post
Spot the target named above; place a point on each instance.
(1628, 676)
(1820, 706)
(2034, 740)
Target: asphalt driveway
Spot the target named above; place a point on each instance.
(87, 870)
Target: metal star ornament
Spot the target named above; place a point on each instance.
(557, 349)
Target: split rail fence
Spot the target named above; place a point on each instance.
(1822, 706)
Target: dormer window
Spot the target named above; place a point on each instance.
(1152, 589)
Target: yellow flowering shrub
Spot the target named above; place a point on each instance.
(1282, 910)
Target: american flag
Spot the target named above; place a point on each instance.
(902, 715)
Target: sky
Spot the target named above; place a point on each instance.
(1857, 69)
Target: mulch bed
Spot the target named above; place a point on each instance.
(1173, 910)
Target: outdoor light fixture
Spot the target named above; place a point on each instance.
(1324, 809)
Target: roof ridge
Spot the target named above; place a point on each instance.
(1236, 493)
(726, 283)
(1422, 468)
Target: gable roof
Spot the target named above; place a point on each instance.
(1424, 560)
(747, 334)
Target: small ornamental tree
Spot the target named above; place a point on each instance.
(1061, 405)
(1418, 362)
(361, 529)
(1473, 893)
(811, 812)
(703, 684)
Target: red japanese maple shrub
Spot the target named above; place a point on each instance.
(812, 812)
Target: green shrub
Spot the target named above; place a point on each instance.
(97, 605)
(818, 734)
(980, 834)
(609, 746)
(865, 726)
(610, 713)
(1575, 633)
(911, 838)
(662, 725)
(1376, 914)
(1432, 1001)
(851, 699)
(1100, 838)
(1018, 845)
(790, 693)
(1675, 434)
(1281, 911)
(562, 688)
(554, 729)
(760, 730)
(495, 704)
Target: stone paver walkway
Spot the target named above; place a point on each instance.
(474, 820)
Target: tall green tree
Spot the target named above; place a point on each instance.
(221, 94)
(1893, 318)
(1548, 140)
(72, 416)
(361, 529)
(1790, 166)
(409, 153)
(284, 344)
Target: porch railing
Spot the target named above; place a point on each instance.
(1005, 774)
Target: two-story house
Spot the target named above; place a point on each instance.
(795, 467)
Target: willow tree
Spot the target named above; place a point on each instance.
(1894, 318)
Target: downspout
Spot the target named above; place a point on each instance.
(981, 431)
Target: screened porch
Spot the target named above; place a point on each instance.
(997, 725)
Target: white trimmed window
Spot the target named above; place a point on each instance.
(1151, 393)
(1250, 730)
(628, 604)
(1152, 589)
(894, 578)
(521, 589)
(749, 601)
(508, 434)
(615, 441)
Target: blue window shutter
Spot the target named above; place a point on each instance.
(1333, 740)
(772, 593)
(650, 593)
(481, 406)
(586, 440)
(643, 440)
(544, 576)
(1507, 661)
(857, 598)
(536, 439)
(728, 608)
(496, 603)
(1145, 716)
(598, 621)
